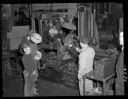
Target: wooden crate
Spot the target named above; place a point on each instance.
(104, 68)
(16, 35)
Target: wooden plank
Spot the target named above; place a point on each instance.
(18, 31)
(14, 43)
(16, 35)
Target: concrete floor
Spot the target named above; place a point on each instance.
(14, 88)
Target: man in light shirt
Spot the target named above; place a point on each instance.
(120, 69)
(86, 58)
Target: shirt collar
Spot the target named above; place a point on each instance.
(84, 47)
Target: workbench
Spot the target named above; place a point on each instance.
(103, 71)
(91, 76)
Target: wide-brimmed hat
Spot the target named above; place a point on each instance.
(69, 26)
(36, 38)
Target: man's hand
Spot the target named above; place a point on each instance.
(38, 56)
(77, 49)
(35, 73)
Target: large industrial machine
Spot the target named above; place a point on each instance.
(56, 54)
(64, 58)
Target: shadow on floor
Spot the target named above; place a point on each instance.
(13, 87)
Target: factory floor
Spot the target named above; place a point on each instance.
(13, 87)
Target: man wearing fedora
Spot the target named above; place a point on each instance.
(31, 62)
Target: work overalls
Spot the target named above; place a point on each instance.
(86, 58)
(31, 66)
(119, 84)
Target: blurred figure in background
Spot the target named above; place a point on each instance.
(119, 84)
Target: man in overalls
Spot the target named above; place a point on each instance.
(31, 63)
(86, 58)
(119, 84)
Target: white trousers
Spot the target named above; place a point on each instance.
(29, 84)
(88, 86)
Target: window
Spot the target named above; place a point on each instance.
(103, 7)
